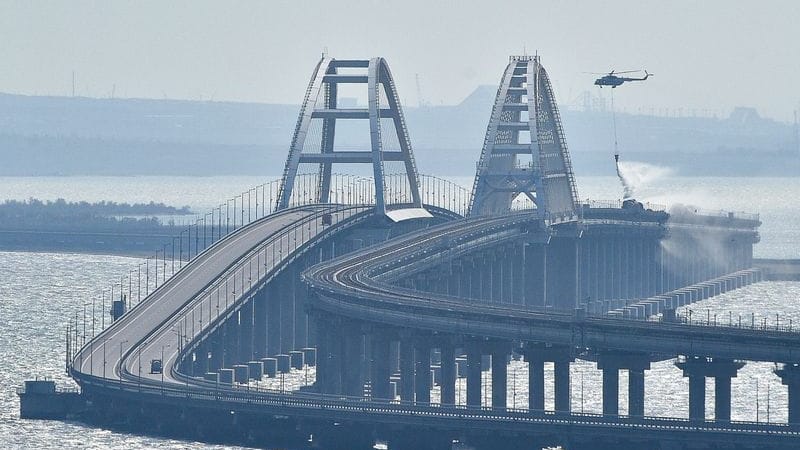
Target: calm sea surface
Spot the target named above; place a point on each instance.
(40, 291)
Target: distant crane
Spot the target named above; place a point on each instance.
(420, 100)
(796, 134)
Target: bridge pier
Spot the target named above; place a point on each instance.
(535, 274)
(406, 369)
(474, 357)
(287, 318)
(561, 273)
(517, 275)
(561, 390)
(329, 356)
(260, 324)
(448, 382)
(246, 332)
(722, 370)
(381, 367)
(790, 377)
(499, 354)
(536, 355)
(611, 363)
(273, 301)
(352, 375)
(216, 350)
(422, 374)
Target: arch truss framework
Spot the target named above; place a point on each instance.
(321, 103)
(525, 151)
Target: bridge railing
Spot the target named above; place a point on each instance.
(259, 396)
(707, 318)
(617, 204)
(742, 215)
(155, 270)
(249, 206)
(745, 323)
(253, 269)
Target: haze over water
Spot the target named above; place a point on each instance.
(40, 291)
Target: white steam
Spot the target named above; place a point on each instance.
(637, 175)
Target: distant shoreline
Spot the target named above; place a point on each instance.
(87, 242)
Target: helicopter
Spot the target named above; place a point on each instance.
(611, 78)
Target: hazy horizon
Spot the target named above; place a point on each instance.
(718, 55)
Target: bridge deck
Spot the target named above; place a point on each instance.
(194, 300)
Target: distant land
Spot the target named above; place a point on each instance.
(88, 136)
(104, 227)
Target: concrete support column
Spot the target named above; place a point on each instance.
(406, 370)
(215, 358)
(518, 276)
(422, 382)
(200, 363)
(722, 399)
(561, 274)
(301, 328)
(486, 277)
(608, 268)
(352, 377)
(697, 397)
(624, 257)
(380, 367)
(334, 375)
(697, 369)
(537, 354)
(323, 356)
(288, 285)
(611, 391)
(535, 274)
(611, 362)
(273, 317)
(230, 342)
(260, 325)
(499, 376)
(636, 393)
(497, 275)
(246, 332)
(448, 382)
(790, 377)
(452, 280)
(535, 384)
(473, 374)
(561, 376)
(507, 284)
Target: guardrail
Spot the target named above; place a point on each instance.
(337, 404)
(244, 209)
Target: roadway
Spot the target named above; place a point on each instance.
(362, 286)
(211, 287)
(202, 293)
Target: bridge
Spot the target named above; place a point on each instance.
(386, 282)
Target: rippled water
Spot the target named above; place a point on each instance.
(38, 292)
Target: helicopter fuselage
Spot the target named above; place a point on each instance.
(614, 81)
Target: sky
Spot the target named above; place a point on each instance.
(707, 56)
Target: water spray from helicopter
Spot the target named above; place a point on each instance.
(613, 79)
